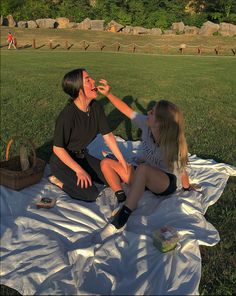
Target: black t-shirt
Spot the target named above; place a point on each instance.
(76, 129)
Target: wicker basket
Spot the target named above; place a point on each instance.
(13, 177)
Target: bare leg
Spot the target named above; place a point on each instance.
(156, 180)
(55, 181)
(114, 173)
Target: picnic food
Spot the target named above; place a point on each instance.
(165, 238)
(46, 202)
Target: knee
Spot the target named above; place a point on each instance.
(104, 164)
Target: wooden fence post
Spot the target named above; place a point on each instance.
(50, 44)
(199, 50)
(117, 46)
(66, 44)
(133, 48)
(34, 44)
(84, 45)
(233, 51)
(15, 42)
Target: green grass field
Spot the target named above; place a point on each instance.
(204, 87)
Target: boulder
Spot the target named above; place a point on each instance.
(169, 32)
(227, 29)
(85, 24)
(140, 30)
(46, 23)
(97, 25)
(156, 31)
(32, 25)
(61, 22)
(127, 30)
(208, 28)
(178, 27)
(72, 25)
(22, 24)
(191, 30)
(11, 21)
(113, 26)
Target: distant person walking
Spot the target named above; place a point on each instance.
(10, 41)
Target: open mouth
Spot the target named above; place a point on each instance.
(95, 89)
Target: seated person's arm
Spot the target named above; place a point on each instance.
(63, 155)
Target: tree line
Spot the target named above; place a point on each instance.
(146, 13)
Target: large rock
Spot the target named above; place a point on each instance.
(156, 31)
(72, 25)
(32, 25)
(62, 22)
(11, 21)
(140, 30)
(169, 32)
(97, 25)
(127, 30)
(46, 23)
(113, 26)
(208, 28)
(227, 29)
(178, 27)
(191, 30)
(22, 24)
(85, 24)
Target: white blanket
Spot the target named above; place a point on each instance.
(51, 251)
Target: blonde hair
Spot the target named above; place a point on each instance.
(170, 134)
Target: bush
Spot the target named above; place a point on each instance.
(195, 19)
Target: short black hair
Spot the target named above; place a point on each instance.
(72, 82)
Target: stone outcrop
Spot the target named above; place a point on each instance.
(72, 25)
(127, 30)
(85, 24)
(168, 32)
(191, 30)
(22, 24)
(208, 29)
(113, 26)
(140, 30)
(97, 25)
(178, 27)
(10, 21)
(46, 23)
(156, 31)
(32, 25)
(62, 22)
(227, 29)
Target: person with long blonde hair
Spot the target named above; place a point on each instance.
(161, 162)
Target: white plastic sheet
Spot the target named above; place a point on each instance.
(51, 251)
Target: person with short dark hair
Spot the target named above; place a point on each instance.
(82, 119)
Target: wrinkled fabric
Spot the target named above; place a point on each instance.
(51, 251)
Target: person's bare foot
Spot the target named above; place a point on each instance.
(55, 181)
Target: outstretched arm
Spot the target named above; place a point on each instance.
(118, 103)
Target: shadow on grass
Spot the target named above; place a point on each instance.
(24, 46)
(56, 46)
(69, 47)
(38, 47)
(44, 152)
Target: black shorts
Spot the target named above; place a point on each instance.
(170, 189)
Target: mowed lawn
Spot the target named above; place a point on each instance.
(204, 87)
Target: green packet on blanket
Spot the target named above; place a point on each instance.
(165, 238)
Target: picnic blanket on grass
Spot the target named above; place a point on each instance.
(52, 251)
